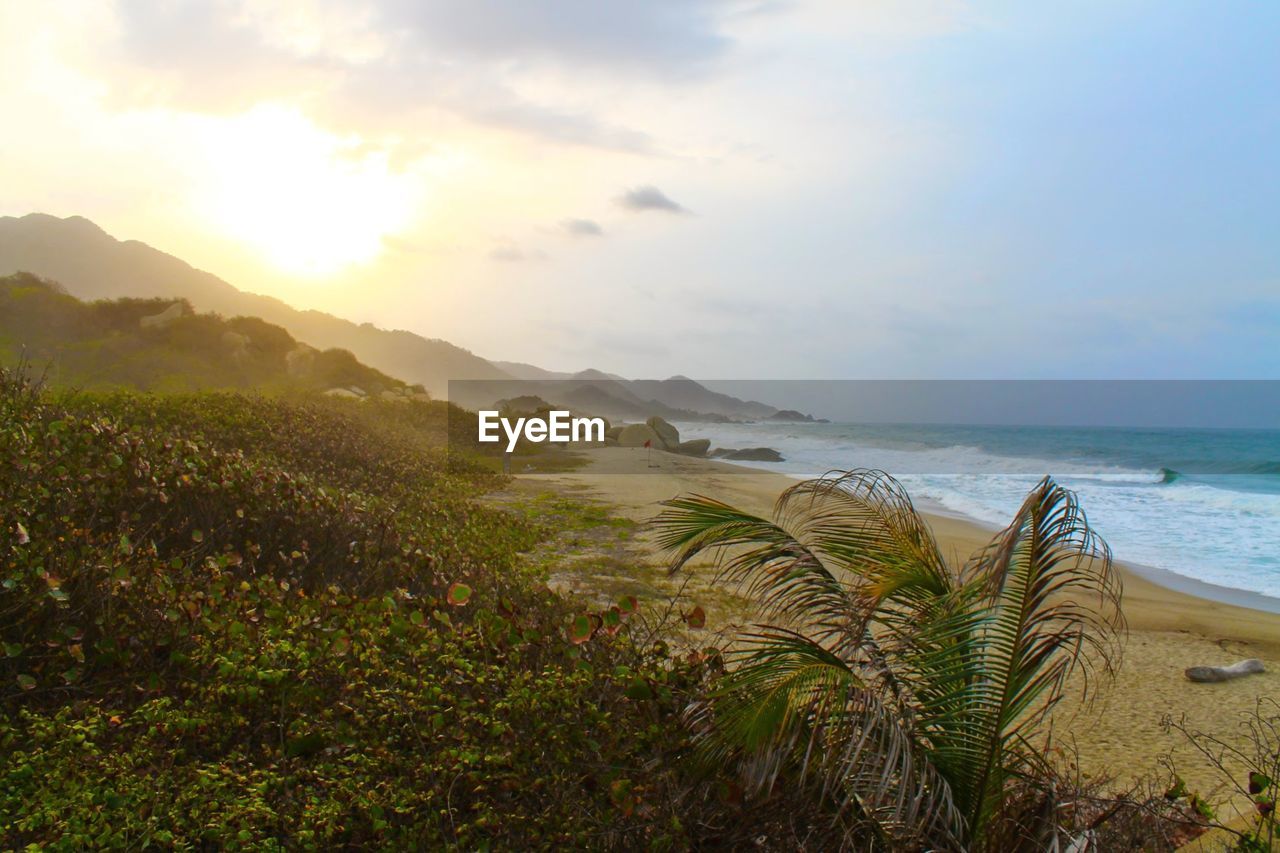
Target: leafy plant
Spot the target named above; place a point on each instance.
(230, 621)
(905, 691)
(1250, 764)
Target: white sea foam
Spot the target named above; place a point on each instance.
(1207, 532)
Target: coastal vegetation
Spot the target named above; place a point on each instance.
(164, 345)
(915, 696)
(263, 617)
(240, 621)
(909, 692)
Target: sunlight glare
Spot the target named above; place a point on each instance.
(310, 201)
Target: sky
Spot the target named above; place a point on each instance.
(753, 189)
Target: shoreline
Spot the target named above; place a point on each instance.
(1164, 578)
(1169, 629)
(1192, 540)
(1168, 579)
(1156, 599)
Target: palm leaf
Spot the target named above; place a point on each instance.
(837, 548)
(909, 690)
(762, 558)
(1049, 602)
(788, 702)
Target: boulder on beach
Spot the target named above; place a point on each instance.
(694, 447)
(1212, 674)
(635, 435)
(748, 454)
(669, 435)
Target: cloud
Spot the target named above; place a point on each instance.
(649, 198)
(515, 255)
(582, 227)
(398, 63)
(658, 37)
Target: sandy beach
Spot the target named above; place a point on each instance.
(1169, 629)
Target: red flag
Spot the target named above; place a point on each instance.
(648, 443)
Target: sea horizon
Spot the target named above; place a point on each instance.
(1192, 507)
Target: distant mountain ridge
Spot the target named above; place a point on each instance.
(91, 264)
(163, 345)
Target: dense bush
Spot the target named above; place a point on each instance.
(104, 345)
(240, 621)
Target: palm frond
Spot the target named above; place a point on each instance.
(909, 690)
(836, 549)
(760, 557)
(789, 703)
(1049, 598)
(865, 522)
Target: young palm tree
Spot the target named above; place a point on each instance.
(907, 690)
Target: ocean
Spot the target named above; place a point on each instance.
(1203, 504)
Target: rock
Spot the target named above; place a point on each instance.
(635, 435)
(790, 416)
(613, 432)
(238, 344)
(164, 318)
(299, 360)
(669, 435)
(696, 447)
(750, 454)
(397, 395)
(342, 392)
(1211, 674)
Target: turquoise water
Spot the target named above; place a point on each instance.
(1204, 504)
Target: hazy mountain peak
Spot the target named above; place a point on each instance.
(91, 264)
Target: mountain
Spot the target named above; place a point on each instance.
(612, 395)
(680, 392)
(163, 345)
(520, 370)
(92, 264)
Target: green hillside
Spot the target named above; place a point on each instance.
(163, 345)
(94, 265)
(234, 621)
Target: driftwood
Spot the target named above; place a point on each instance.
(1205, 674)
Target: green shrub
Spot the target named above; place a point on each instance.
(240, 621)
(102, 345)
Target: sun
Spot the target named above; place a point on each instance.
(311, 202)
